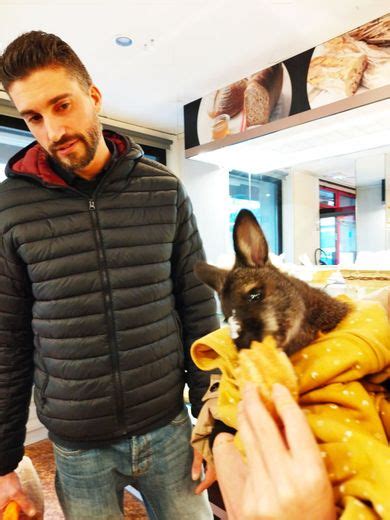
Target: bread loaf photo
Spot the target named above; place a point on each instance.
(229, 100)
(343, 72)
(351, 63)
(262, 94)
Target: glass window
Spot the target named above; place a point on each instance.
(328, 240)
(11, 141)
(337, 226)
(347, 200)
(262, 195)
(347, 232)
(155, 154)
(327, 198)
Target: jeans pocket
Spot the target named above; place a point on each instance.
(182, 418)
(68, 452)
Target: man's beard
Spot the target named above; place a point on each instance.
(76, 161)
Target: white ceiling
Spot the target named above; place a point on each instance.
(199, 45)
(363, 168)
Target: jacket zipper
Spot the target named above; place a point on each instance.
(106, 291)
(109, 312)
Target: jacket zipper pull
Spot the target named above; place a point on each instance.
(92, 204)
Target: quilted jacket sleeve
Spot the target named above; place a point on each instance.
(16, 357)
(195, 302)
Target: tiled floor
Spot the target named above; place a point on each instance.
(41, 454)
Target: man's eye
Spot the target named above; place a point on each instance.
(255, 295)
(64, 106)
(34, 119)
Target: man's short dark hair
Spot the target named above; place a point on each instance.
(35, 50)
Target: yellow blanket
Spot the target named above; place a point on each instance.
(339, 378)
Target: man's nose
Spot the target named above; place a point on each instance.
(55, 130)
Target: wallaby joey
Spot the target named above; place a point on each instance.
(264, 301)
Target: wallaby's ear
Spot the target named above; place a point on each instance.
(250, 244)
(212, 276)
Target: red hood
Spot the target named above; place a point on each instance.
(33, 160)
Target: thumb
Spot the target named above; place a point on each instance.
(196, 469)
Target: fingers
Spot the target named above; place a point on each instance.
(231, 474)
(209, 479)
(262, 433)
(196, 469)
(300, 438)
(224, 449)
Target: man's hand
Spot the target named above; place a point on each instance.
(196, 472)
(284, 476)
(10, 489)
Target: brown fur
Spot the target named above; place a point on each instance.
(266, 301)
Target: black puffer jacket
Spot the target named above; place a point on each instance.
(97, 293)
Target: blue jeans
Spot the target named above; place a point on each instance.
(90, 483)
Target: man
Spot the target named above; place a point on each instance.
(98, 301)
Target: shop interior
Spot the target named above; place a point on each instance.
(320, 189)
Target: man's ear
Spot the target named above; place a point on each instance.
(212, 276)
(96, 97)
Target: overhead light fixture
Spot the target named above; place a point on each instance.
(123, 41)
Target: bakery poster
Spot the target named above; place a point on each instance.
(345, 66)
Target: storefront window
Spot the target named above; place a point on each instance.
(155, 154)
(347, 200)
(327, 198)
(337, 226)
(262, 195)
(11, 141)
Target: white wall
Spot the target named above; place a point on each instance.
(35, 430)
(370, 219)
(208, 187)
(301, 204)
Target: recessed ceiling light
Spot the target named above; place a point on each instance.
(123, 41)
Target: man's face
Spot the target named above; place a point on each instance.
(60, 114)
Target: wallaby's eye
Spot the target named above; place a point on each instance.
(255, 295)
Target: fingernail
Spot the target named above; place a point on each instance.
(195, 475)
